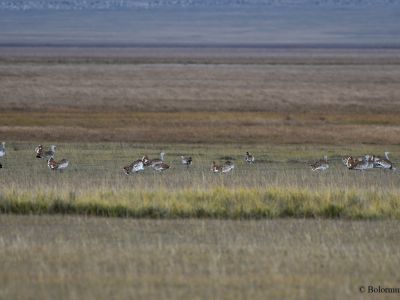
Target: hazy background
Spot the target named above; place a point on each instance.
(254, 23)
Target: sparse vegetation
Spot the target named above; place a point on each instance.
(294, 103)
(95, 258)
(279, 184)
(266, 230)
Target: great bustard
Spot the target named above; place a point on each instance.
(225, 168)
(161, 166)
(45, 154)
(146, 161)
(3, 149)
(57, 165)
(39, 151)
(249, 158)
(321, 164)
(186, 160)
(134, 167)
(356, 164)
(216, 168)
(152, 162)
(383, 163)
(228, 166)
(350, 160)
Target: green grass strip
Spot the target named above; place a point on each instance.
(244, 203)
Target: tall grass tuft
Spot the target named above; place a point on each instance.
(241, 203)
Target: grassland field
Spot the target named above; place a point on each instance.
(341, 101)
(68, 257)
(287, 108)
(279, 184)
(271, 230)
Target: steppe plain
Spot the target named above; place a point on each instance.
(274, 229)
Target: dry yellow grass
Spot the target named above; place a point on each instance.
(202, 87)
(95, 258)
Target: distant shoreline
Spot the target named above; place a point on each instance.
(294, 46)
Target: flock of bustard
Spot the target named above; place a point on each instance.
(352, 163)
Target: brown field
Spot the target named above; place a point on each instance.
(103, 109)
(202, 127)
(289, 98)
(95, 258)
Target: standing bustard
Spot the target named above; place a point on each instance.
(45, 154)
(249, 158)
(2, 152)
(39, 151)
(3, 149)
(156, 164)
(186, 160)
(152, 162)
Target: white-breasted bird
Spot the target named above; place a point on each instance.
(348, 159)
(39, 151)
(3, 149)
(45, 154)
(57, 165)
(134, 167)
(356, 164)
(152, 162)
(216, 168)
(186, 160)
(321, 164)
(161, 166)
(383, 163)
(228, 166)
(249, 158)
(225, 168)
